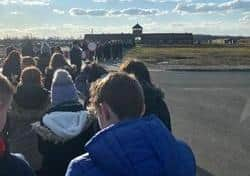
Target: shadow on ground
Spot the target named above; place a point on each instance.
(203, 172)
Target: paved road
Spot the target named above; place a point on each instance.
(211, 112)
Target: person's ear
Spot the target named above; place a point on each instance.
(104, 110)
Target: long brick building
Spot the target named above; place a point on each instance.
(145, 38)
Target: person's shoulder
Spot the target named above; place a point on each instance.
(81, 165)
(79, 50)
(19, 88)
(83, 160)
(20, 164)
(49, 71)
(187, 154)
(44, 91)
(151, 90)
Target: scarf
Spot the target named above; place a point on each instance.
(3, 146)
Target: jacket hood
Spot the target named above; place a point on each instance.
(140, 147)
(62, 126)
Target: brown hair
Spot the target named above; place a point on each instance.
(13, 59)
(57, 49)
(122, 92)
(57, 61)
(93, 71)
(28, 61)
(31, 75)
(138, 68)
(9, 49)
(6, 89)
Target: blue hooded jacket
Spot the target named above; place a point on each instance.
(141, 147)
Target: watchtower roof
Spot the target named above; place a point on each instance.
(137, 26)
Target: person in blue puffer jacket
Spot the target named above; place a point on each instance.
(129, 144)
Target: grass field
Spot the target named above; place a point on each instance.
(184, 55)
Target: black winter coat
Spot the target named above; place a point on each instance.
(56, 154)
(154, 102)
(30, 96)
(12, 165)
(76, 56)
(43, 62)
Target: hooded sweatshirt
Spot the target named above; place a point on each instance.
(141, 147)
(62, 133)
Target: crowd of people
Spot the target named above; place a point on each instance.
(107, 50)
(74, 118)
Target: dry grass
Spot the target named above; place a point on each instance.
(192, 55)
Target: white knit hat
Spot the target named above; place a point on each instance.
(63, 88)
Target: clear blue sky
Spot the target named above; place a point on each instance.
(66, 18)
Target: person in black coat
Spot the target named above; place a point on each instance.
(12, 67)
(27, 48)
(76, 56)
(154, 97)
(64, 129)
(44, 57)
(10, 164)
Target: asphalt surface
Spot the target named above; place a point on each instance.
(211, 112)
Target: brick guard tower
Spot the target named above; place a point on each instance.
(137, 30)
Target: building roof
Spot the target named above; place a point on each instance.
(137, 26)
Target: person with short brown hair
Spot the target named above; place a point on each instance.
(10, 164)
(108, 91)
(154, 97)
(128, 143)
